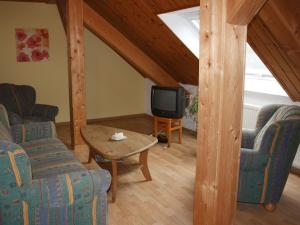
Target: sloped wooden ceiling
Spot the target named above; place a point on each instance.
(139, 22)
(274, 34)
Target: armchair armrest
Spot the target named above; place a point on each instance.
(67, 189)
(46, 112)
(33, 131)
(252, 160)
(248, 137)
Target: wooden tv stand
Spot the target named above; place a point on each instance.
(168, 125)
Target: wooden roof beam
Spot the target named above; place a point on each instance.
(125, 48)
(241, 12)
(61, 6)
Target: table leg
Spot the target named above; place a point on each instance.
(155, 127)
(91, 155)
(144, 163)
(114, 180)
(180, 132)
(169, 132)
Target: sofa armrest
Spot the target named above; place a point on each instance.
(46, 112)
(253, 160)
(248, 137)
(67, 189)
(33, 131)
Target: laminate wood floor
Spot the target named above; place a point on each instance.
(168, 199)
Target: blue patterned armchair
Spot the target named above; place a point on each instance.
(42, 183)
(267, 155)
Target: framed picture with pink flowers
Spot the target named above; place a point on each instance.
(32, 45)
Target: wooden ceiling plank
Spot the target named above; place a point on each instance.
(160, 7)
(256, 34)
(61, 6)
(241, 12)
(124, 47)
(281, 27)
(137, 21)
(272, 59)
(277, 51)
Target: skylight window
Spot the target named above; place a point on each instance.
(185, 24)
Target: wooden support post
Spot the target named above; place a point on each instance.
(76, 76)
(221, 86)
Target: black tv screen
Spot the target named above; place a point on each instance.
(167, 102)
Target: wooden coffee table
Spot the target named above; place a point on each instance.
(98, 139)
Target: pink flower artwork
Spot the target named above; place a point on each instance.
(32, 45)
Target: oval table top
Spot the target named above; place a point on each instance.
(98, 137)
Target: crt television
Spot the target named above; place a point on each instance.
(168, 102)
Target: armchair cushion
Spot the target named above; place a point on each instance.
(33, 131)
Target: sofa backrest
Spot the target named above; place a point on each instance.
(19, 99)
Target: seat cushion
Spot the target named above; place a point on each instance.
(50, 157)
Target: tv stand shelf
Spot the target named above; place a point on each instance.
(168, 125)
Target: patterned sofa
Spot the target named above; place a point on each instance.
(42, 183)
(19, 101)
(267, 155)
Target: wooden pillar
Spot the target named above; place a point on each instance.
(221, 86)
(221, 82)
(76, 76)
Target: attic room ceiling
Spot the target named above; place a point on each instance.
(274, 34)
(139, 22)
